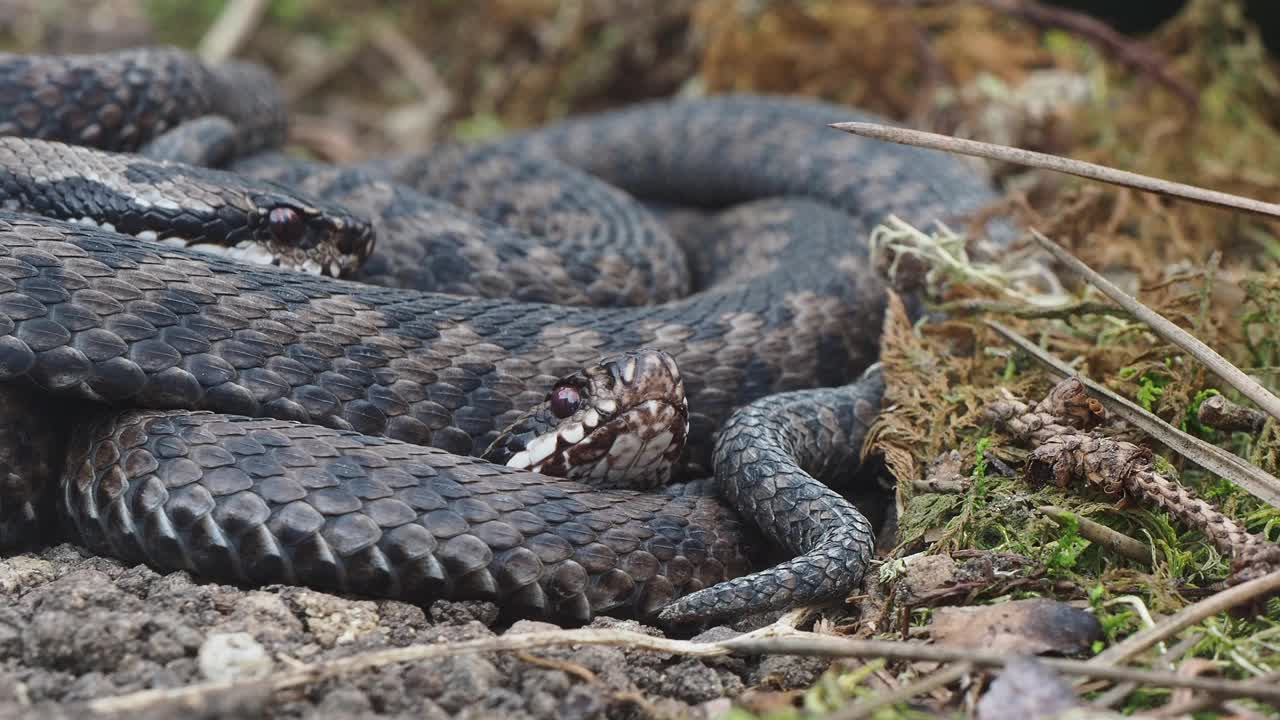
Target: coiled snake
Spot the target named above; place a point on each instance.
(348, 460)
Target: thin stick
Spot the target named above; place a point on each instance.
(315, 672)
(1190, 615)
(1216, 364)
(814, 645)
(1252, 479)
(1120, 691)
(795, 643)
(1097, 532)
(1202, 702)
(1079, 168)
(928, 683)
(1221, 414)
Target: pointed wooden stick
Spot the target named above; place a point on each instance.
(1218, 365)
(934, 141)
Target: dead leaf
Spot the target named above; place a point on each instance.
(1029, 627)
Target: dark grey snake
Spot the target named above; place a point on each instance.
(357, 411)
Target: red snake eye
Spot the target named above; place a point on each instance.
(565, 401)
(286, 225)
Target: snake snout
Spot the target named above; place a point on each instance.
(621, 422)
(312, 237)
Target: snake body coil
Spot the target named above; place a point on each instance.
(395, 387)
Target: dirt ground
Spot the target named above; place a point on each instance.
(75, 628)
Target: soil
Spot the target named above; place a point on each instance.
(75, 628)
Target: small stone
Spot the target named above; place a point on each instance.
(23, 572)
(447, 612)
(233, 656)
(344, 702)
(524, 627)
(1026, 689)
(337, 621)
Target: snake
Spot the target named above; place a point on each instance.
(226, 406)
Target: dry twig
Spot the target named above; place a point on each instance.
(1056, 163)
(1192, 345)
(1202, 702)
(1096, 532)
(1220, 413)
(937, 679)
(1241, 594)
(790, 643)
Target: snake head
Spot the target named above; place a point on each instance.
(311, 237)
(619, 423)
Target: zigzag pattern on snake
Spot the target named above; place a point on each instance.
(349, 466)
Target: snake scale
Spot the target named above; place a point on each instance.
(347, 417)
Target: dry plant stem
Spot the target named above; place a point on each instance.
(1096, 532)
(1061, 312)
(1221, 414)
(1120, 691)
(1203, 702)
(1004, 153)
(814, 645)
(928, 683)
(234, 25)
(793, 643)
(1241, 594)
(1065, 450)
(1250, 478)
(1216, 364)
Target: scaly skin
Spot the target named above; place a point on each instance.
(122, 100)
(95, 316)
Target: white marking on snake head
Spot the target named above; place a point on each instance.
(572, 433)
(591, 418)
(520, 460)
(541, 447)
(629, 370)
(608, 406)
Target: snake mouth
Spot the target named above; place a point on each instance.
(248, 251)
(323, 259)
(632, 445)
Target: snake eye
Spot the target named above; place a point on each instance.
(565, 401)
(286, 225)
